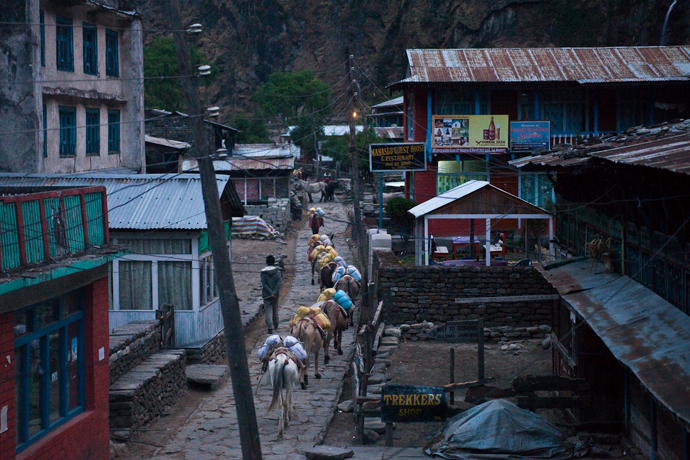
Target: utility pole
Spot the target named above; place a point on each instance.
(232, 320)
(360, 233)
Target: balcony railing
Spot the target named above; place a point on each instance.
(48, 226)
(568, 138)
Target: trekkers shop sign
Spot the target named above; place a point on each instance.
(406, 156)
(408, 403)
(457, 134)
(526, 136)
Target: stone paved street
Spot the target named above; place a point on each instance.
(212, 433)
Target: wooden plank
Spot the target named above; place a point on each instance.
(563, 351)
(506, 299)
(371, 405)
(389, 435)
(530, 383)
(362, 330)
(460, 385)
(379, 334)
(375, 321)
(553, 402)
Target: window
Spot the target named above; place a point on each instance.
(175, 284)
(49, 355)
(45, 132)
(65, 49)
(135, 285)
(93, 134)
(90, 49)
(113, 132)
(207, 284)
(43, 38)
(68, 131)
(565, 108)
(537, 189)
(454, 173)
(461, 102)
(112, 64)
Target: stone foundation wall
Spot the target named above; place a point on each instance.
(213, 352)
(131, 344)
(440, 293)
(149, 392)
(418, 332)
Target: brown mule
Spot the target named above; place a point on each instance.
(306, 332)
(351, 287)
(326, 275)
(314, 264)
(338, 324)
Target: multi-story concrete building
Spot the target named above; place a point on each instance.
(72, 97)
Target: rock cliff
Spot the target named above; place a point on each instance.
(249, 39)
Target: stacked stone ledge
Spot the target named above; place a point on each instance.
(148, 391)
(498, 334)
(131, 344)
(276, 213)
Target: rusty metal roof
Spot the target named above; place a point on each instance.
(582, 65)
(671, 153)
(244, 164)
(642, 330)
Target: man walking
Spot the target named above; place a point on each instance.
(270, 283)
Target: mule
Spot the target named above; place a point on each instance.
(326, 275)
(338, 325)
(284, 374)
(330, 191)
(315, 263)
(352, 288)
(313, 187)
(305, 331)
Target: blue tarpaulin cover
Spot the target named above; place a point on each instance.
(499, 430)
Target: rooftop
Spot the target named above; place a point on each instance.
(634, 64)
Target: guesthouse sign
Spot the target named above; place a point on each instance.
(404, 156)
(410, 403)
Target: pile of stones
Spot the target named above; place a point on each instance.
(148, 391)
(276, 213)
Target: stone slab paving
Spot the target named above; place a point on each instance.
(212, 432)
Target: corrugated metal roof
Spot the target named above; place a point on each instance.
(671, 153)
(459, 193)
(179, 145)
(642, 330)
(140, 201)
(243, 164)
(583, 65)
(266, 150)
(390, 133)
(393, 102)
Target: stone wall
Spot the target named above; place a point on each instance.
(276, 213)
(214, 351)
(131, 344)
(438, 293)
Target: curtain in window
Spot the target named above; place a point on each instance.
(175, 284)
(135, 286)
(155, 246)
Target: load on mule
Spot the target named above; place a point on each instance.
(338, 318)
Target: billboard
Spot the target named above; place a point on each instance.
(456, 134)
(404, 156)
(526, 136)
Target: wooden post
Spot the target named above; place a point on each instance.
(452, 375)
(472, 238)
(230, 308)
(480, 349)
(389, 435)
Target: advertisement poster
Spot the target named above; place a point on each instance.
(406, 156)
(527, 136)
(457, 134)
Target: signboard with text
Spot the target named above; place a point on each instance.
(405, 156)
(457, 332)
(457, 134)
(527, 136)
(411, 403)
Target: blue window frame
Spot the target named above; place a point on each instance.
(49, 357)
(65, 45)
(68, 131)
(45, 132)
(113, 132)
(93, 132)
(90, 49)
(43, 38)
(112, 64)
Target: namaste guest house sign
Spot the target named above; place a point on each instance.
(408, 403)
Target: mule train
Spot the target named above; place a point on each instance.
(288, 360)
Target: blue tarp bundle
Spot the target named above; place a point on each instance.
(252, 225)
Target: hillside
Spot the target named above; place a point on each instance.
(250, 39)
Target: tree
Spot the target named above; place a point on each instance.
(251, 130)
(337, 147)
(291, 95)
(160, 60)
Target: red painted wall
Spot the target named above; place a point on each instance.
(87, 436)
